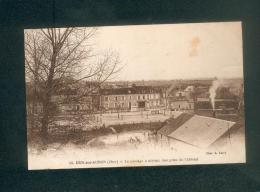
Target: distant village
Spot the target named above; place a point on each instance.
(191, 96)
(166, 111)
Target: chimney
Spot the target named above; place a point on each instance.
(214, 113)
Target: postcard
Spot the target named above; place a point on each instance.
(135, 95)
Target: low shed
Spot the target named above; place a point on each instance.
(195, 130)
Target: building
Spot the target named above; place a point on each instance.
(134, 98)
(71, 104)
(181, 98)
(226, 104)
(70, 100)
(180, 104)
(193, 130)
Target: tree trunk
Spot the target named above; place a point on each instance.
(47, 99)
(34, 98)
(32, 114)
(34, 110)
(45, 121)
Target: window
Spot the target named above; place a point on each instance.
(138, 97)
(116, 98)
(123, 98)
(130, 97)
(143, 96)
(106, 98)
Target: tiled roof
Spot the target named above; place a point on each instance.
(201, 131)
(174, 124)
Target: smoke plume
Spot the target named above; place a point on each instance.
(213, 91)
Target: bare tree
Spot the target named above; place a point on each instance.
(54, 55)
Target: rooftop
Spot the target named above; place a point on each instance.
(196, 130)
(130, 90)
(174, 123)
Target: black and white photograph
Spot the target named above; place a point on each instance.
(134, 95)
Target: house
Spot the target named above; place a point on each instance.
(74, 97)
(134, 98)
(180, 98)
(193, 130)
(69, 100)
(72, 103)
(180, 104)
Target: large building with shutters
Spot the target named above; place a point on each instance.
(134, 98)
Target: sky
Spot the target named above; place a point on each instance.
(175, 51)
